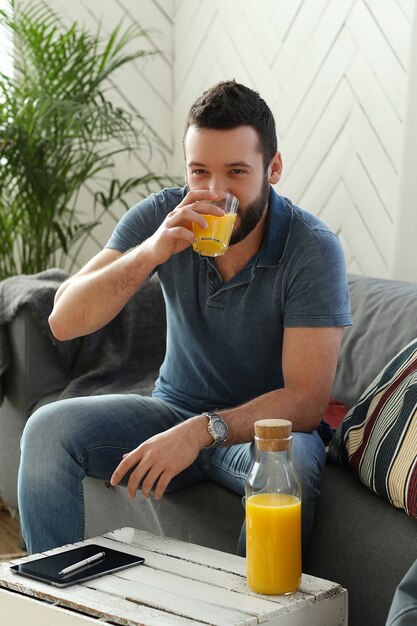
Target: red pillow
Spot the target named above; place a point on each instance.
(335, 413)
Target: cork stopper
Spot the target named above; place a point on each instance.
(273, 435)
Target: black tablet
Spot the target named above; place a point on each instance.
(74, 566)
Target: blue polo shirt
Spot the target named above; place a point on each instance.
(224, 340)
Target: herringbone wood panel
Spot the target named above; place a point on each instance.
(334, 73)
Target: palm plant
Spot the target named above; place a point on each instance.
(58, 131)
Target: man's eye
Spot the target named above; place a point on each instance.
(198, 172)
(237, 171)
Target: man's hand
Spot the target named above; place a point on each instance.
(175, 233)
(162, 457)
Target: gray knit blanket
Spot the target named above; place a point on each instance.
(124, 356)
(35, 290)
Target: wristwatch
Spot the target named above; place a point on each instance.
(217, 428)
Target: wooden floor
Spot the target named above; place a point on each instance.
(9, 535)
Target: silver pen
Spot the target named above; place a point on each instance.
(91, 560)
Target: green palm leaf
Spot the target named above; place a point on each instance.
(60, 130)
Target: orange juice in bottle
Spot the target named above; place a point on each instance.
(273, 513)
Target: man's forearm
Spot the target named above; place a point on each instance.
(291, 403)
(94, 296)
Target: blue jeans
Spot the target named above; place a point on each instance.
(67, 440)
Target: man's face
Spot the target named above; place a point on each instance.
(229, 160)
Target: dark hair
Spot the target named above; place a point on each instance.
(228, 105)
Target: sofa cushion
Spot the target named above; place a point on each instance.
(384, 314)
(378, 436)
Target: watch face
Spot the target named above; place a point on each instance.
(219, 429)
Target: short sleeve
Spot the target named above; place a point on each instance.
(143, 219)
(316, 292)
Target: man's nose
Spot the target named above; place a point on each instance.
(217, 183)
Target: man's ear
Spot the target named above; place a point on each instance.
(275, 169)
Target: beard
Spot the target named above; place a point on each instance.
(251, 214)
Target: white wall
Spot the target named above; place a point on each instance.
(404, 253)
(334, 73)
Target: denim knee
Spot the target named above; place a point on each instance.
(44, 430)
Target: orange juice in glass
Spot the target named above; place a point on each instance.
(214, 240)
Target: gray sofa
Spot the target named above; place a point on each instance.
(358, 540)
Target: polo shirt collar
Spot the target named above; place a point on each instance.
(277, 232)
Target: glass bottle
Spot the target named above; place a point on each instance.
(273, 512)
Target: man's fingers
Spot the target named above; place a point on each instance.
(134, 481)
(150, 480)
(117, 476)
(179, 232)
(143, 477)
(155, 462)
(193, 213)
(163, 483)
(124, 466)
(202, 206)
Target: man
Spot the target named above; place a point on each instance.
(251, 334)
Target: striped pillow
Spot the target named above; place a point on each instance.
(378, 436)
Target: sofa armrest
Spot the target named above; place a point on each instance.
(35, 376)
(35, 370)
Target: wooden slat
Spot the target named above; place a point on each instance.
(174, 600)
(374, 158)
(188, 52)
(385, 121)
(314, 55)
(384, 62)
(393, 22)
(318, 99)
(367, 199)
(316, 195)
(303, 23)
(33, 612)
(320, 143)
(189, 552)
(92, 602)
(251, 57)
(260, 22)
(284, 16)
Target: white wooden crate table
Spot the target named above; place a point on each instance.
(180, 584)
